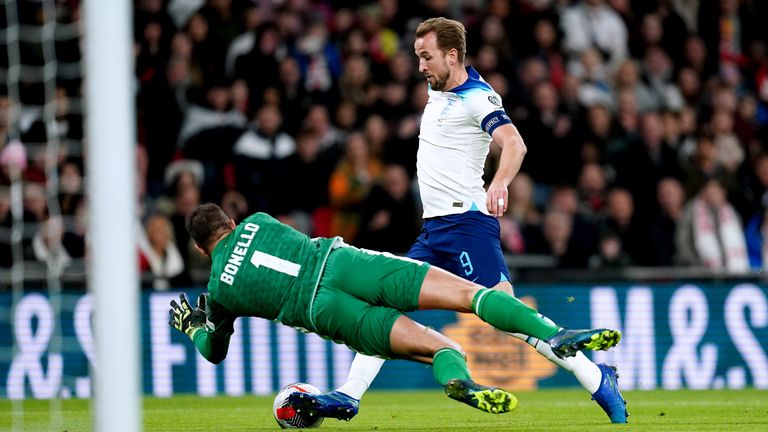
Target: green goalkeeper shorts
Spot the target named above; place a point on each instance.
(361, 295)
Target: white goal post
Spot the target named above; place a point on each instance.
(113, 271)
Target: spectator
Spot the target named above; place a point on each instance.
(260, 155)
(234, 205)
(350, 183)
(522, 215)
(757, 183)
(47, 246)
(620, 218)
(697, 57)
(318, 123)
(6, 222)
(730, 152)
(595, 133)
(595, 75)
(689, 83)
(293, 98)
(674, 29)
(689, 13)
(376, 132)
(658, 71)
(610, 253)
(185, 200)
(206, 49)
(160, 255)
(304, 185)
(260, 64)
(627, 77)
(671, 198)
(583, 234)
(35, 203)
(710, 233)
(756, 233)
(318, 60)
(390, 219)
(555, 240)
(382, 41)
(244, 43)
(644, 163)
(356, 83)
(593, 24)
(70, 187)
(703, 164)
(592, 190)
(550, 129)
(180, 175)
(547, 47)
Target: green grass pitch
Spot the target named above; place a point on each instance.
(544, 410)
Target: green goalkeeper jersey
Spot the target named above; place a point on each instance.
(267, 269)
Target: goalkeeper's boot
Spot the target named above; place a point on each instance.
(334, 404)
(608, 396)
(488, 399)
(566, 343)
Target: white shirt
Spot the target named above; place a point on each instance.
(600, 27)
(454, 140)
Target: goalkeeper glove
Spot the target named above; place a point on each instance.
(185, 319)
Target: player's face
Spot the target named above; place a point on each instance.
(433, 62)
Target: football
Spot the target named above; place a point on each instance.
(286, 416)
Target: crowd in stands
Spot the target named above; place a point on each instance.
(646, 123)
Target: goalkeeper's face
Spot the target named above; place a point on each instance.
(434, 63)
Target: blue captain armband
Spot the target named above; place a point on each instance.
(494, 120)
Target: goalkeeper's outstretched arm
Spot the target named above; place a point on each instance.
(208, 326)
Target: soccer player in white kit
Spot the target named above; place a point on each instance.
(461, 231)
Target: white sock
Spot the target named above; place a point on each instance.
(361, 374)
(586, 372)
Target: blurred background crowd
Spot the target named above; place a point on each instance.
(646, 123)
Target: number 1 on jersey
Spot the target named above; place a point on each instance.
(259, 259)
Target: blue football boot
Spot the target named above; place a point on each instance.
(331, 405)
(566, 343)
(609, 397)
(489, 399)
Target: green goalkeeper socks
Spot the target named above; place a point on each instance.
(509, 314)
(448, 364)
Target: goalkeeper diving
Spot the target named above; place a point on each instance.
(263, 268)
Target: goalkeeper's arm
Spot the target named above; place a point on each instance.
(210, 336)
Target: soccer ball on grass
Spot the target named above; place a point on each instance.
(286, 416)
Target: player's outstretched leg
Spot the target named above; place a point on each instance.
(608, 396)
(566, 342)
(489, 399)
(334, 404)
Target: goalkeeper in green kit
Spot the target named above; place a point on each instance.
(263, 268)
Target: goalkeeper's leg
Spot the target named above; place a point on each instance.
(442, 290)
(414, 341)
(344, 402)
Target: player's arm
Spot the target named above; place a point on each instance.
(513, 150)
(208, 325)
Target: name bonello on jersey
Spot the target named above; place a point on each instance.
(238, 253)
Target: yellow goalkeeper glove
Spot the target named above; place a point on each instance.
(185, 319)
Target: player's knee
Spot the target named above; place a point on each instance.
(458, 348)
(467, 297)
(446, 342)
(506, 287)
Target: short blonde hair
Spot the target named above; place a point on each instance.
(450, 34)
